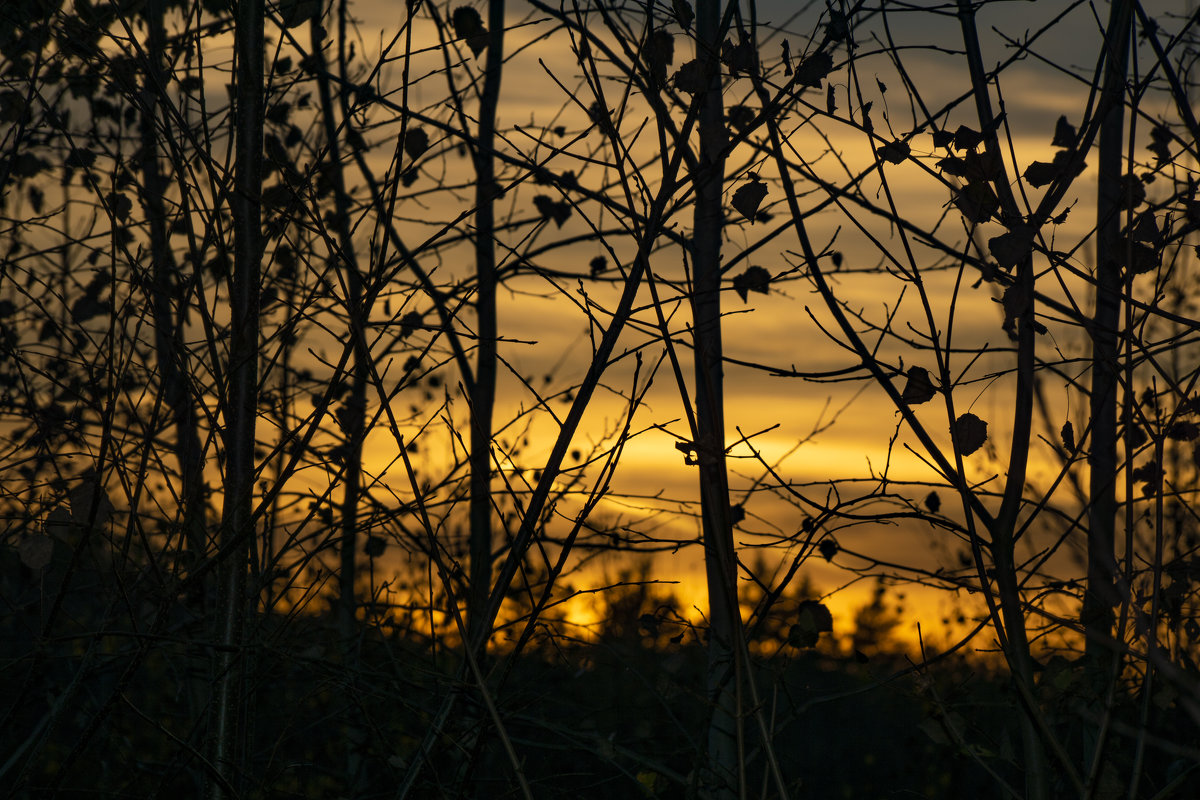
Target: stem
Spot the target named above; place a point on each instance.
(483, 391)
(724, 682)
(241, 397)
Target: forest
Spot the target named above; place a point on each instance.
(599, 399)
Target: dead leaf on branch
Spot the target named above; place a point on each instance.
(740, 117)
(416, 142)
(970, 433)
(549, 208)
(829, 548)
(918, 388)
(814, 69)
(659, 53)
(690, 77)
(894, 152)
(469, 26)
(748, 197)
(754, 279)
(683, 13)
(1013, 247)
(812, 619)
(977, 202)
(1064, 134)
(1068, 436)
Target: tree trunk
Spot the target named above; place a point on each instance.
(352, 418)
(483, 389)
(1099, 597)
(724, 735)
(240, 401)
(168, 334)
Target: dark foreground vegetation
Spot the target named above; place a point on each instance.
(101, 705)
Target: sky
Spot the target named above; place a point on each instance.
(810, 432)
(825, 438)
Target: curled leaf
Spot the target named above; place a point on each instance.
(894, 152)
(1068, 436)
(829, 548)
(683, 13)
(1013, 247)
(754, 279)
(977, 202)
(918, 388)
(812, 619)
(690, 77)
(748, 197)
(468, 25)
(1064, 133)
(416, 142)
(814, 69)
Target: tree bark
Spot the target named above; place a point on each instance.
(724, 735)
(352, 418)
(240, 401)
(483, 390)
(1099, 600)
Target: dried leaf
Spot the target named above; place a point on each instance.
(918, 388)
(970, 433)
(829, 548)
(416, 142)
(1146, 230)
(812, 619)
(1064, 134)
(967, 138)
(683, 13)
(933, 502)
(977, 202)
(953, 165)
(120, 205)
(894, 152)
(690, 78)
(748, 197)
(740, 57)
(1013, 247)
(1068, 436)
(740, 117)
(468, 25)
(814, 69)
(659, 52)
(754, 279)
(549, 208)
(1182, 430)
(295, 13)
(1040, 173)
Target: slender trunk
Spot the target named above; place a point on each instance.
(241, 399)
(724, 735)
(483, 391)
(173, 368)
(1100, 595)
(168, 332)
(353, 413)
(1003, 528)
